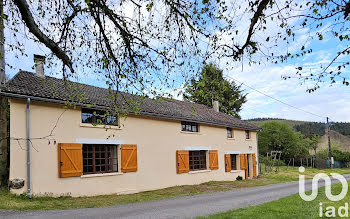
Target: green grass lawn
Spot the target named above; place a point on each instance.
(15, 202)
(288, 207)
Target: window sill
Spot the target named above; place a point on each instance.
(101, 174)
(235, 171)
(249, 139)
(230, 138)
(100, 126)
(199, 171)
(193, 133)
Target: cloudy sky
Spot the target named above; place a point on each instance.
(332, 101)
(329, 100)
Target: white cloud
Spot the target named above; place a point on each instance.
(326, 101)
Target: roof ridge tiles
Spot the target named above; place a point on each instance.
(28, 84)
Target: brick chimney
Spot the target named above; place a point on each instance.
(39, 62)
(216, 105)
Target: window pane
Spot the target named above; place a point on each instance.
(103, 168)
(229, 132)
(111, 120)
(86, 117)
(97, 116)
(189, 126)
(99, 159)
(194, 128)
(90, 169)
(233, 162)
(197, 160)
(112, 159)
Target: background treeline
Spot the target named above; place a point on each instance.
(264, 119)
(307, 128)
(341, 127)
(311, 128)
(318, 128)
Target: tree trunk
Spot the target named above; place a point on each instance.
(4, 173)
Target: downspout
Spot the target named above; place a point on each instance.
(257, 150)
(29, 193)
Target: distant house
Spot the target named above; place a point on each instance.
(168, 143)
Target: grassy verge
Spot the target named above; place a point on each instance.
(14, 202)
(289, 207)
(287, 174)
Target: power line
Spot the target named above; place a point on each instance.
(269, 96)
(287, 104)
(249, 108)
(264, 113)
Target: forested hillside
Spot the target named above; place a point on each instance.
(311, 128)
(341, 127)
(318, 128)
(337, 140)
(260, 121)
(308, 128)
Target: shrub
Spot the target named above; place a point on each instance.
(267, 161)
(337, 154)
(239, 178)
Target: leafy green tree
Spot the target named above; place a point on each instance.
(314, 140)
(300, 148)
(211, 86)
(280, 137)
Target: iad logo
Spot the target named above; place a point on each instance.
(330, 210)
(328, 186)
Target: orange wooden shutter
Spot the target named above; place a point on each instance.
(128, 157)
(242, 161)
(70, 160)
(182, 161)
(227, 163)
(254, 166)
(213, 160)
(244, 164)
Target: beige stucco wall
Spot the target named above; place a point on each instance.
(157, 141)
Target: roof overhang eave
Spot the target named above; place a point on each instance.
(50, 100)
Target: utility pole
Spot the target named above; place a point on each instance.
(2, 45)
(3, 105)
(329, 144)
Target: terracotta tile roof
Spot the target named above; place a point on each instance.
(26, 84)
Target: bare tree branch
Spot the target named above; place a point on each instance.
(27, 17)
(259, 12)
